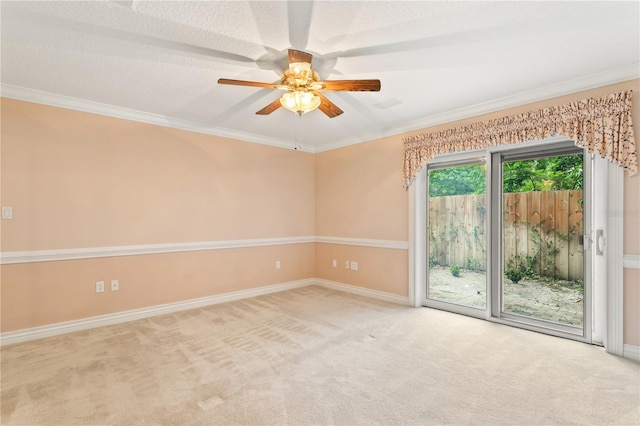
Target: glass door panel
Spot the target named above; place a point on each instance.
(456, 205)
(542, 251)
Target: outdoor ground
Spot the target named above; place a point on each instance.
(556, 302)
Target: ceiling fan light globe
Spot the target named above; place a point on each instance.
(300, 102)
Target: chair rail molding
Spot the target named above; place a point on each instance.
(631, 261)
(95, 252)
(364, 242)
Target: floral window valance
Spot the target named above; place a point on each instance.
(601, 125)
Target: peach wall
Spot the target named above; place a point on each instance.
(631, 304)
(631, 215)
(359, 191)
(76, 179)
(378, 268)
(359, 195)
(35, 294)
(79, 180)
(631, 219)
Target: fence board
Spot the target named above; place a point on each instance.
(520, 225)
(479, 244)
(533, 232)
(547, 223)
(544, 225)
(449, 248)
(562, 232)
(437, 212)
(509, 229)
(576, 227)
(458, 235)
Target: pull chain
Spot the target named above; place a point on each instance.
(298, 138)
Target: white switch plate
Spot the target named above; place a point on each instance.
(277, 264)
(335, 263)
(354, 266)
(7, 212)
(115, 285)
(99, 286)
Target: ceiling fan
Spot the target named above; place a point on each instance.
(303, 87)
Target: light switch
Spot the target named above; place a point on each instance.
(7, 212)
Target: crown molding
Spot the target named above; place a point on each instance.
(593, 81)
(67, 102)
(617, 75)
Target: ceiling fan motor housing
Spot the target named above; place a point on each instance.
(304, 87)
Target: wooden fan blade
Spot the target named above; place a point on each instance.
(246, 83)
(328, 107)
(299, 56)
(351, 85)
(270, 108)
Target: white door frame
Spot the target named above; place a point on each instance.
(613, 338)
(613, 332)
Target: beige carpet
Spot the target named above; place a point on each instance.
(315, 356)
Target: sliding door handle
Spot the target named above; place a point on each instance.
(600, 242)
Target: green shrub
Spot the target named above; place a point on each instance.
(455, 270)
(514, 275)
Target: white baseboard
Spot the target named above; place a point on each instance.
(361, 291)
(25, 335)
(34, 333)
(632, 352)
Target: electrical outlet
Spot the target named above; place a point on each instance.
(99, 286)
(354, 266)
(115, 285)
(335, 263)
(277, 264)
(346, 264)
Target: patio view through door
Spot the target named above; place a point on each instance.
(457, 273)
(518, 259)
(542, 257)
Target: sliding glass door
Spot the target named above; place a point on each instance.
(540, 281)
(505, 237)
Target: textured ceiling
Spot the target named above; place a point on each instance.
(436, 60)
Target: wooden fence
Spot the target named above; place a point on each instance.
(541, 232)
